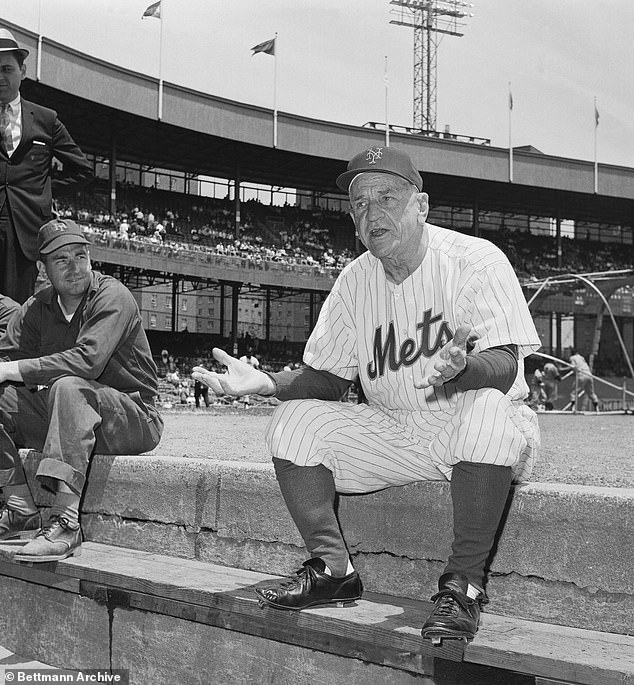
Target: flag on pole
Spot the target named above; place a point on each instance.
(596, 113)
(510, 134)
(153, 10)
(267, 47)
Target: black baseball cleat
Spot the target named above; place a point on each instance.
(456, 615)
(312, 587)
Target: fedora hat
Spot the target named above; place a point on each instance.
(9, 44)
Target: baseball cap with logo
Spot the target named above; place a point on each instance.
(387, 160)
(57, 233)
(9, 44)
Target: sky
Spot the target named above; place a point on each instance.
(330, 62)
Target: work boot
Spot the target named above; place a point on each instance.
(455, 616)
(58, 539)
(312, 587)
(15, 525)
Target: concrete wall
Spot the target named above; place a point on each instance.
(562, 556)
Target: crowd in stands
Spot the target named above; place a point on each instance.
(310, 238)
(291, 236)
(535, 256)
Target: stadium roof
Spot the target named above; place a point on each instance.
(108, 108)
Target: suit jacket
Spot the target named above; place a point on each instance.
(26, 182)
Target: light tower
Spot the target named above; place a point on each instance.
(430, 19)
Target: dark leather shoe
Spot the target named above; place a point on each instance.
(455, 616)
(15, 525)
(312, 587)
(58, 539)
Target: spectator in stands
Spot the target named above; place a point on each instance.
(31, 136)
(7, 308)
(76, 376)
(584, 381)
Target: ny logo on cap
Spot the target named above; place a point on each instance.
(59, 228)
(374, 153)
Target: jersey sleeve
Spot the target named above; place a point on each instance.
(492, 303)
(332, 345)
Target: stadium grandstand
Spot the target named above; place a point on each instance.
(227, 240)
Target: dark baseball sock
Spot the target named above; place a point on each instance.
(309, 493)
(478, 494)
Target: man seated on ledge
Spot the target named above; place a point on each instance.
(434, 324)
(76, 376)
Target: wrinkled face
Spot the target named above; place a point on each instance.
(11, 75)
(386, 212)
(68, 268)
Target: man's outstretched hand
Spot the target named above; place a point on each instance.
(239, 379)
(450, 361)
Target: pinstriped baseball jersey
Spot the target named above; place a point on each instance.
(389, 333)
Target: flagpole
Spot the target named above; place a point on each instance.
(510, 134)
(275, 91)
(387, 121)
(38, 70)
(160, 83)
(596, 164)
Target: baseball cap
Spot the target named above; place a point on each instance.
(9, 44)
(387, 160)
(57, 233)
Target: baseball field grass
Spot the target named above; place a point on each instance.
(582, 449)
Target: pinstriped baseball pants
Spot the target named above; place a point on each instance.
(369, 448)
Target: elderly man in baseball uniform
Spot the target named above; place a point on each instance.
(435, 326)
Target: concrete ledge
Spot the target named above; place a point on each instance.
(563, 555)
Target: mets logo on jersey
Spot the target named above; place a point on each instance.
(387, 355)
(373, 154)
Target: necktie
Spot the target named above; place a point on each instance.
(5, 128)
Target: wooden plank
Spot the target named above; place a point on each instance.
(39, 576)
(388, 625)
(571, 655)
(277, 625)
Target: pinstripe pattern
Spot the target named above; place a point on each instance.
(387, 334)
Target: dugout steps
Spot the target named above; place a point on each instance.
(129, 605)
(175, 546)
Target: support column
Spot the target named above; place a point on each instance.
(596, 341)
(236, 199)
(311, 311)
(560, 258)
(175, 286)
(235, 299)
(113, 170)
(222, 310)
(267, 315)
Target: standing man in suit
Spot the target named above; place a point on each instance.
(30, 136)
